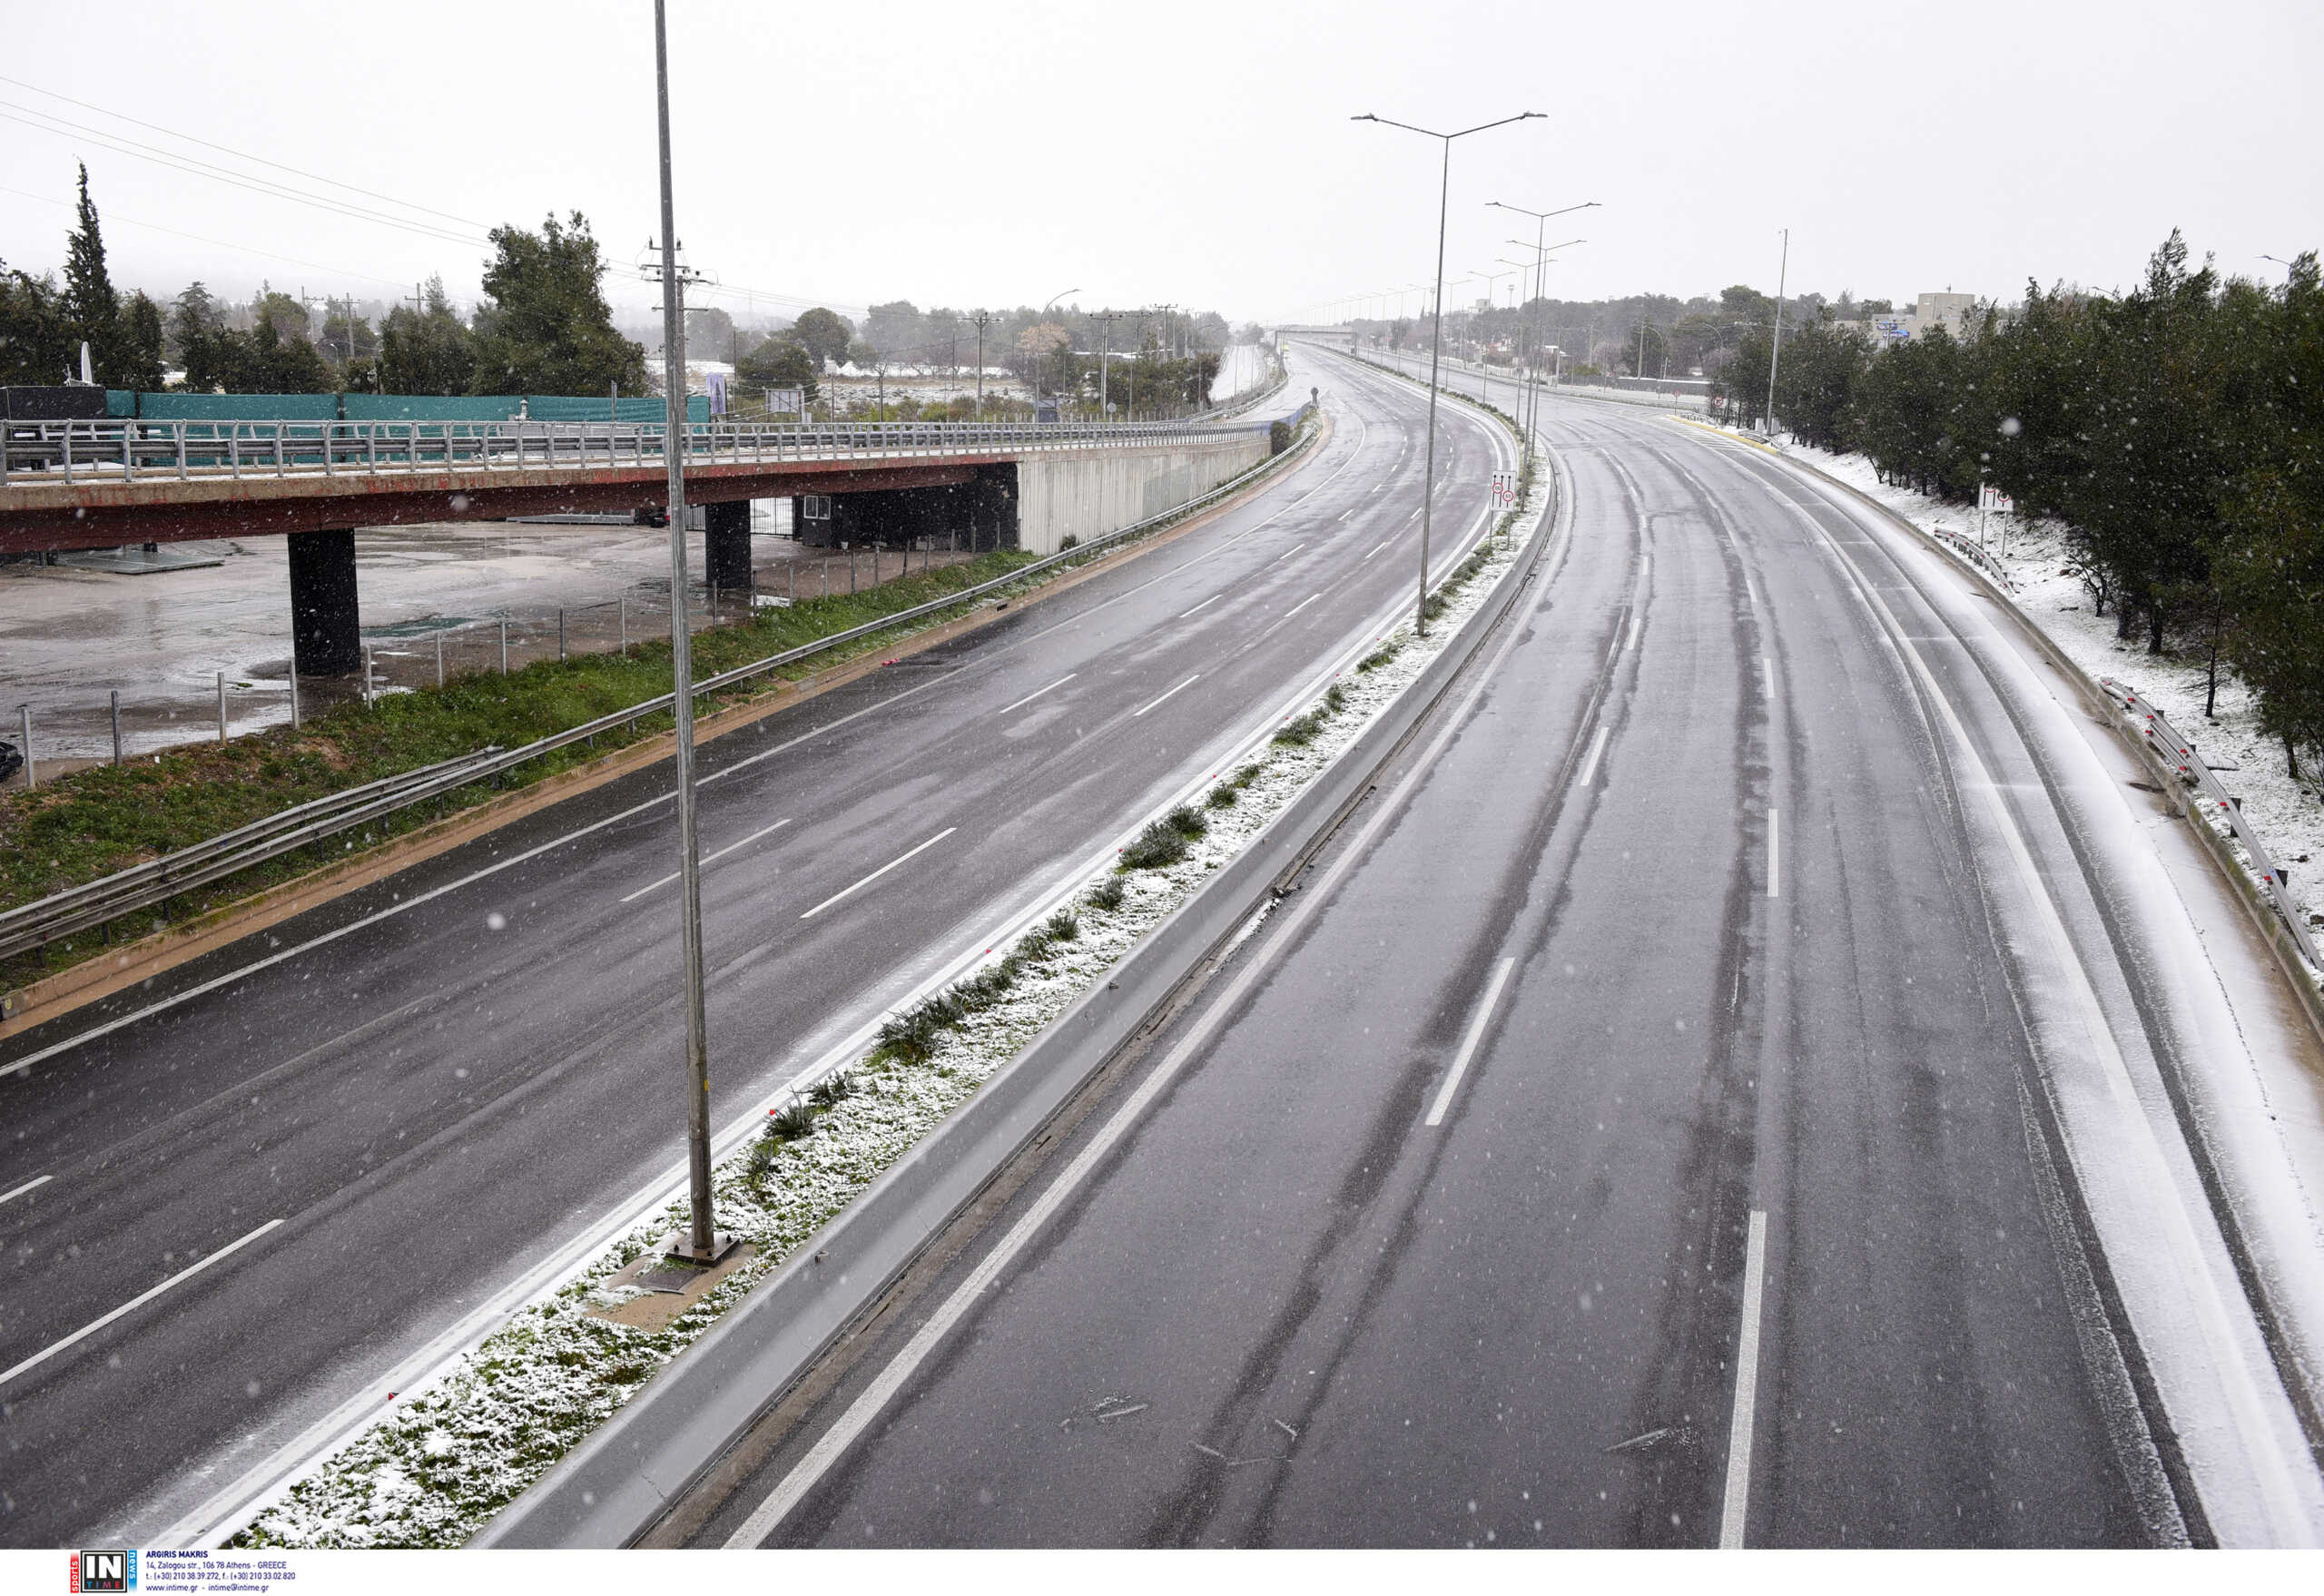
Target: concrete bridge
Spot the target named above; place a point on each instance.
(102, 484)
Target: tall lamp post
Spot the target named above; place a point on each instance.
(1775, 355)
(1541, 225)
(1436, 333)
(1540, 270)
(703, 1244)
(1039, 391)
(1493, 289)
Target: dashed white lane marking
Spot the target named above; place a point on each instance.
(1775, 879)
(1750, 591)
(139, 1301)
(1286, 554)
(1590, 764)
(1736, 1509)
(1638, 624)
(1469, 1043)
(1376, 549)
(1181, 687)
(1206, 603)
(1303, 603)
(876, 875)
(746, 842)
(1767, 668)
(35, 1180)
(1069, 675)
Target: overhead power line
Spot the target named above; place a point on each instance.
(239, 154)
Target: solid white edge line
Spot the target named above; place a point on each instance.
(1469, 1043)
(876, 875)
(1069, 675)
(37, 1180)
(1303, 603)
(1181, 687)
(1775, 878)
(140, 1300)
(707, 858)
(1736, 1506)
(1590, 764)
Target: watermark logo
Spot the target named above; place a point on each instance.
(113, 1570)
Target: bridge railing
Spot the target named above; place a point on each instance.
(46, 453)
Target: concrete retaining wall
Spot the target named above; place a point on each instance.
(1088, 496)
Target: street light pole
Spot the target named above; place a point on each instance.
(1038, 390)
(1541, 269)
(1775, 355)
(1436, 334)
(703, 1244)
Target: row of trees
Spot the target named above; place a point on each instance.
(1651, 335)
(544, 327)
(2176, 430)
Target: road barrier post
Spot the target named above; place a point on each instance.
(367, 692)
(222, 707)
(24, 719)
(560, 634)
(116, 726)
(295, 722)
(439, 656)
(504, 645)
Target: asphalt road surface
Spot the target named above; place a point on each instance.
(290, 1164)
(1624, 1139)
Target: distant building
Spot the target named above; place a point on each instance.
(1949, 311)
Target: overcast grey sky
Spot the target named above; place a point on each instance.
(1196, 153)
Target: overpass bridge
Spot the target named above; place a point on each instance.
(102, 484)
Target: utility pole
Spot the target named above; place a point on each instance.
(1775, 355)
(1106, 320)
(983, 320)
(703, 1244)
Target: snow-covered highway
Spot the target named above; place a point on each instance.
(1726, 1087)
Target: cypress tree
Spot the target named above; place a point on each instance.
(90, 302)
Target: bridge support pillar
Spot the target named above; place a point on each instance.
(325, 631)
(726, 545)
(982, 514)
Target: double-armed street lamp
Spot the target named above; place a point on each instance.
(1436, 336)
(1541, 257)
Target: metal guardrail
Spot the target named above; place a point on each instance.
(141, 886)
(84, 907)
(2178, 753)
(1975, 555)
(38, 454)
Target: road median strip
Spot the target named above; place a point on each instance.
(866, 1145)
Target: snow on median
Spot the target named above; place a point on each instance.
(451, 1455)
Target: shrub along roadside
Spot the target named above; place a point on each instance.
(95, 822)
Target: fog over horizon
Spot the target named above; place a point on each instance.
(999, 158)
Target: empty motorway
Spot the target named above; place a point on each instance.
(241, 1197)
(1661, 1119)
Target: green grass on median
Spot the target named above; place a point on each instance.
(95, 822)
